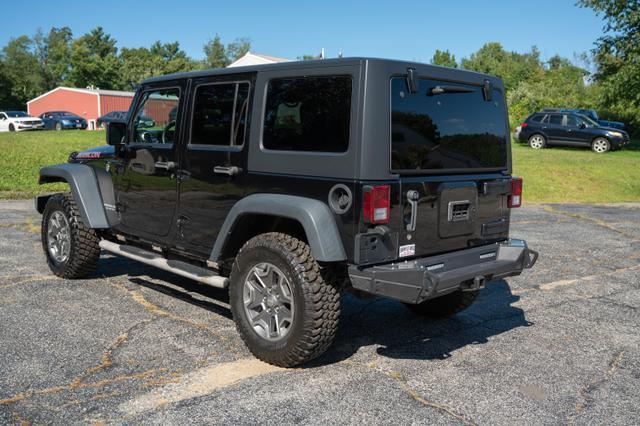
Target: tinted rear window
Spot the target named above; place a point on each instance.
(536, 118)
(448, 130)
(308, 114)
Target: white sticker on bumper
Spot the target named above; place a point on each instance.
(408, 250)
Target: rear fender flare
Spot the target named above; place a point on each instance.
(315, 217)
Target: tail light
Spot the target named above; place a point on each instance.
(515, 199)
(523, 125)
(377, 204)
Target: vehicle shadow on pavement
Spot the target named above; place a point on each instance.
(180, 288)
(395, 331)
(400, 334)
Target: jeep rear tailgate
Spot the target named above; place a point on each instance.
(450, 147)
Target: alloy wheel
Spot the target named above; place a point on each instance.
(59, 237)
(600, 146)
(536, 142)
(268, 301)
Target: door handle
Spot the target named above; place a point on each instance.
(412, 198)
(226, 170)
(167, 165)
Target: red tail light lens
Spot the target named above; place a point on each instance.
(377, 204)
(515, 199)
(523, 125)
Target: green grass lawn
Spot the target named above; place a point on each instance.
(23, 153)
(550, 175)
(572, 175)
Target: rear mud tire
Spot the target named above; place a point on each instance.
(445, 306)
(315, 300)
(83, 249)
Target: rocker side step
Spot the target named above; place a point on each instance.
(178, 267)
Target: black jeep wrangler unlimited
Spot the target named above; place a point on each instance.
(291, 183)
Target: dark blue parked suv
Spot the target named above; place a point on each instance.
(543, 129)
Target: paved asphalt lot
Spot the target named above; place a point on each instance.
(559, 344)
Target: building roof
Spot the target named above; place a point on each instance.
(101, 92)
(256, 59)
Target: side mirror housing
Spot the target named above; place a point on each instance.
(582, 126)
(116, 132)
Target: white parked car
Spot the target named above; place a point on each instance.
(17, 121)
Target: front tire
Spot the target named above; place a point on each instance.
(537, 141)
(12, 128)
(445, 306)
(600, 145)
(285, 306)
(71, 248)
(58, 126)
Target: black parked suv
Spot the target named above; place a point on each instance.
(543, 129)
(291, 183)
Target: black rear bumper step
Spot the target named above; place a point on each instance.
(429, 277)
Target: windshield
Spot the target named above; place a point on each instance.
(589, 121)
(16, 114)
(446, 126)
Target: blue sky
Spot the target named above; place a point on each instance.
(410, 30)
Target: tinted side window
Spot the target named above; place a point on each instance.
(308, 114)
(219, 114)
(555, 119)
(573, 120)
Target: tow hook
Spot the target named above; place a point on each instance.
(476, 284)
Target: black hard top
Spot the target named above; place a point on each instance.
(316, 64)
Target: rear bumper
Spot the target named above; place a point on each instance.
(426, 278)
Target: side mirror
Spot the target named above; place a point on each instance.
(116, 132)
(582, 126)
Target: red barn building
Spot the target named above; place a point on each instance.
(86, 103)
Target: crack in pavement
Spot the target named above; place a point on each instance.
(80, 382)
(139, 298)
(26, 279)
(402, 383)
(585, 391)
(563, 283)
(552, 209)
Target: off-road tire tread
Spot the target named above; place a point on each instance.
(445, 306)
(320, 292)
(85, 251)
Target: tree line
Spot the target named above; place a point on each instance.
(608, 80)
(612, 88)
(30, 66)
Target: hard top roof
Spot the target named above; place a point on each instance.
(316, 63)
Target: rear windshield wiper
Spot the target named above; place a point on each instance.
(439, 90)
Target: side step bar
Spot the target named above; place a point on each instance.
(178, 267)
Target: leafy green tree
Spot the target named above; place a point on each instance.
(237, 48)
(140, 63)
(216, 56)
(512, 67)
(219, 56)
(53, 52)
(20, 70)
(94, 60)
(617, 57)
(8, 99)
(444, 58)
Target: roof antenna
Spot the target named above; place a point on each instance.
(340, 54)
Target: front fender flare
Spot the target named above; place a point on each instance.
(314, 216)
(84, 186)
